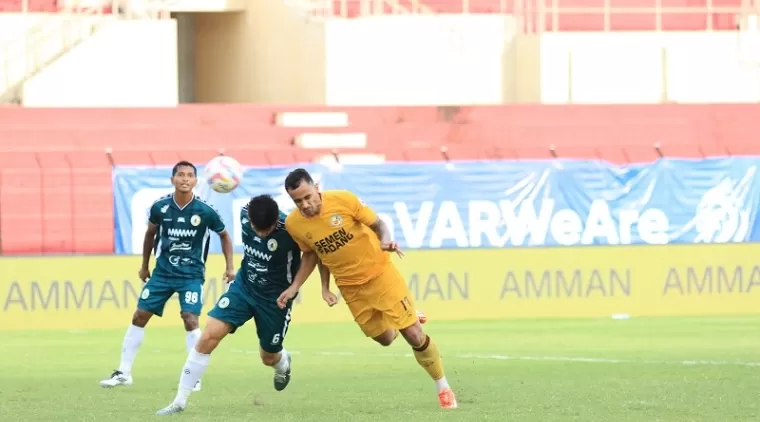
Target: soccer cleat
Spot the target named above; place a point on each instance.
(116, 379)
(197, 386)
(447, 399)
(421, 317)
(281, 380)
(170, 410)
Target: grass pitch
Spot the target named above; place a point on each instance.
(647, 369)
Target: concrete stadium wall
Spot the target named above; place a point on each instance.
(267, 54)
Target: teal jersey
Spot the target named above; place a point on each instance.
(269, 263)
(183, 237)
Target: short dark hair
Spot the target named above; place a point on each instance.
(184, 163)
(295, 177)
(263, 212)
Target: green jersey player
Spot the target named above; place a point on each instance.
(270, 261)
(179, 227)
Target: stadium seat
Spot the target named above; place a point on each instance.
(135, 158)
(249, 157)
(21, 215)
(33, 6)
(92, 209)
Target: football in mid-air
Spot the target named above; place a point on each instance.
(223, 174)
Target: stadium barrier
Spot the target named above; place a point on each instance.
(572, 282)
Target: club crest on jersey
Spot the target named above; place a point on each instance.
(195, 220)
(336, 220)
(272, 245)
(224, 302)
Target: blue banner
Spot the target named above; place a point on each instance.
(500, 203)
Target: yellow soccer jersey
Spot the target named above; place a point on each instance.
(341, 237)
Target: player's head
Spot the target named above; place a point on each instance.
(184, 177)
(304, 192)
(263, 214)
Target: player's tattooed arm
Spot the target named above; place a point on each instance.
(324, 276)
(381, 230)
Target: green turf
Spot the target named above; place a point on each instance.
(53, 376)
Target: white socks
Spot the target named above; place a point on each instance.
(282, 365)
(131, 344)
(193, 370)
(192, 338)
(442, 384)
(134, 338)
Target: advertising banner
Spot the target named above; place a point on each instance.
(499, 204)
(637, 280)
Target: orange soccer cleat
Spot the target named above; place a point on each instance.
(421, 317)
(447, 399)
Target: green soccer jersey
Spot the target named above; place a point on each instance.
(183, 237)
(269, 263)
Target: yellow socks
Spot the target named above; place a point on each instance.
(429, 358)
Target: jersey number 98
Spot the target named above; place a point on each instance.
(191, 298)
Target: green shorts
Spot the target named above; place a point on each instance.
(157, 291)
(237, 306)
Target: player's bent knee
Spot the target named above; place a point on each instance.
(269, 359)
(190, 320)
(140, 318)
(386, 338)
(212, 335)
(414, 335)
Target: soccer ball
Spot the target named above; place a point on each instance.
(223, 174)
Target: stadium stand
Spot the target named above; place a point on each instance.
(55, 184)
(61, 200)
(581, 15)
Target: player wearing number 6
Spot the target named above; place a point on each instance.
(270, 261)
(179, 230)
(353, 243)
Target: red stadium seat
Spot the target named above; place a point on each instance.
(92, 208)
(21, 217)
(61, 172)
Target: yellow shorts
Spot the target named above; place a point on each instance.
(382, 303)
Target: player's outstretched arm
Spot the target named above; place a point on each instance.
(148, 243)
(381, 230)
(384, 234)
(324, 276)
(309, 261)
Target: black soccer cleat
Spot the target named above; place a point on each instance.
(281, 380)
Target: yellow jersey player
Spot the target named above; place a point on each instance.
(353, 244)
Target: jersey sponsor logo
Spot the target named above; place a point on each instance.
(180, 246)
(182, 232)
(249, 251)
(333, 242)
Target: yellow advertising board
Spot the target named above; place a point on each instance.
(101, 292)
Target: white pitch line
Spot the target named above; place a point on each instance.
(577, 359)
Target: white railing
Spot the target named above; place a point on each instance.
(539, 15)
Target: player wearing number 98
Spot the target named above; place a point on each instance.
(270, 261)
(179, 227)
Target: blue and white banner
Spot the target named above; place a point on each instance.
(500, 203)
